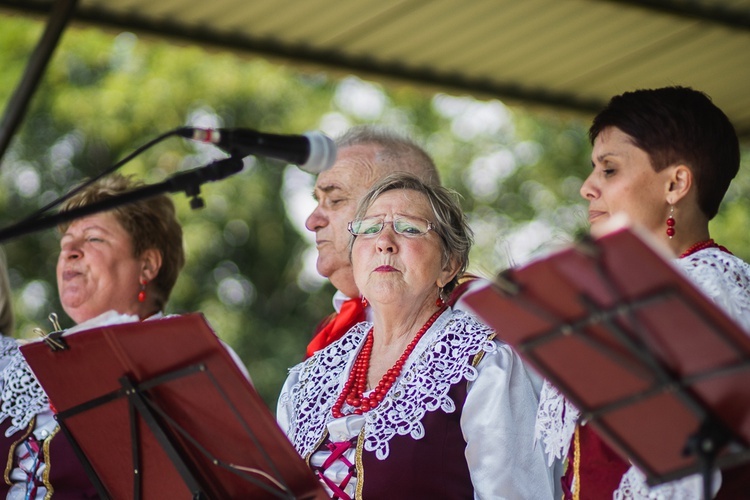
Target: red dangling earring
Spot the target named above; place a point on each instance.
(142, 293)
(364, 302)
(440, 302)
(670, 222)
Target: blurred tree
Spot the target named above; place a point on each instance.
(250, 261)
(104, 96)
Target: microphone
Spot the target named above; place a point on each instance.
(312, 151)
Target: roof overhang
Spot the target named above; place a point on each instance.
(568, 55)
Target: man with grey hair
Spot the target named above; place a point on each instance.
(365, 156)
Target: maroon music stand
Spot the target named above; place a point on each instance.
(159, 409)
(657, 368)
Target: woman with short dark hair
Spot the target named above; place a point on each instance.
(663, 159)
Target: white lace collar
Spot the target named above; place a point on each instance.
(22, 397)
(442, 358)
(556, 420)
(724, 278)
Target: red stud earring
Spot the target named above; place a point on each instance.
(670, 222)
(142, 293)
(364, 302)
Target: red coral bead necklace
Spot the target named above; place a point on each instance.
(702, 245)
(356, 384)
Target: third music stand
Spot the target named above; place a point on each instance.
(658, 369)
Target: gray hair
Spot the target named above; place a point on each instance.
(396, 153)
(456, 236)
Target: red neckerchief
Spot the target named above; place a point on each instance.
(337, 324)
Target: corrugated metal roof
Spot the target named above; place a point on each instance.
(570, 54)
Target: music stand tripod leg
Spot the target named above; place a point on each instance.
(100, 489)
(137, 399)
(706, 445)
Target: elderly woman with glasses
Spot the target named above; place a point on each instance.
(424, 402)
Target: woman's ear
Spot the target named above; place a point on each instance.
(448, 273)
(151, 264)
(680, 183)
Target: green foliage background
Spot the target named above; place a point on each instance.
(249, 258)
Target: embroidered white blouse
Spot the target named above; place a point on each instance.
(497, 419)
(726, 280)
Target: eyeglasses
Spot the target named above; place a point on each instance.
(408, 226)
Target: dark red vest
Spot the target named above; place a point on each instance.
(432, 467)
(66, 474)
(600, 471)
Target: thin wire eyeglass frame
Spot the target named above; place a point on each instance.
(382, 222)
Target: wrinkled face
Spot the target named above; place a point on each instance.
(397, 268)
(338, 190)
(623, 181)
(96, 269)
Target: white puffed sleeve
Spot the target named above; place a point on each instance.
(498, 424)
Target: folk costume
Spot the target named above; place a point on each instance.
(594, 470)
(39, 460)
(456, 423)
(41, 463)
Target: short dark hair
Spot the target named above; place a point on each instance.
(678, 125)
(456, 236)
(151, 223)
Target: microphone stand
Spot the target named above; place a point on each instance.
(189, 181)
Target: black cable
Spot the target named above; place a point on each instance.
(36, 215)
